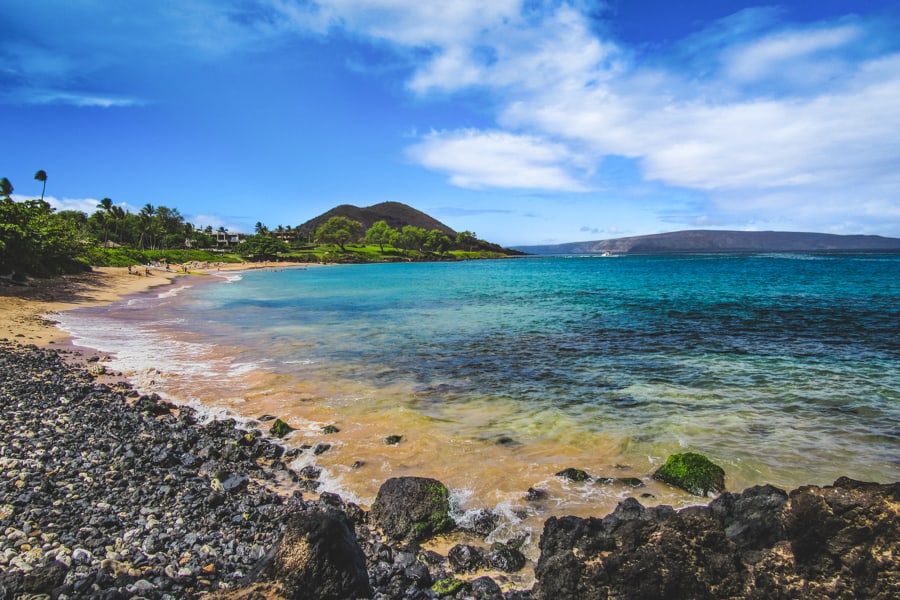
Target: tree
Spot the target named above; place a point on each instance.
(41, 175)
(261, 229)
(466, 239)
(262, 247)
(33, 239)
(146, 224)
(118, 216)
(412, 237)
(380, 233)
(438, 241)
(104, 218)
(340, 231)
(6, 188)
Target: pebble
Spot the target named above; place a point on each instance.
(100, 487)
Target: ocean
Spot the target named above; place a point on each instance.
(782, 368)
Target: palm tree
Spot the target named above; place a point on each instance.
(6, 188)
(146, 220)
(118, 215)
(41, 175)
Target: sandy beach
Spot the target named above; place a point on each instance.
(28, 310)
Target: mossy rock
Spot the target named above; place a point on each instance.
(412, 508)
(280, 429)
(329, 429)
(573, 474)
(393, 440)
(447, 586)
(692, 472)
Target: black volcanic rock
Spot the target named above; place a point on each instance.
(412, 508)
(319, 558)
(838, 541)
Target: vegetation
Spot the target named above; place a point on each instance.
(33, 239)
(37, 240)
(447, 586)
(262, 247)
(340, 231)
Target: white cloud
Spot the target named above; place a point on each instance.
(413, 23)
(836, 141)
(85, 205)
(773, 54)
(476, 159)
(78, 99)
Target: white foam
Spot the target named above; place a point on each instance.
(145, 355)
(171, 293)
(230, 277)
(330, 478)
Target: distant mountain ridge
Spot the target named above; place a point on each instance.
(396, 214)
(713, 241)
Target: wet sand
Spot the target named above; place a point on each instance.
(28, 309)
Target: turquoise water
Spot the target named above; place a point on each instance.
(785, 369)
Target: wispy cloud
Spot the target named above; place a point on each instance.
(40, 97)
(476, 159)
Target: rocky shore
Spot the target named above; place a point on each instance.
(105, 493)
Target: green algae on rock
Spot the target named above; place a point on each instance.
(413, 508)
(280, 428)
(692, 472)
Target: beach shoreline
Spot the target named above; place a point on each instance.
(28, 309)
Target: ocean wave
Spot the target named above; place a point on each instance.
(171, 293)
(229, 277)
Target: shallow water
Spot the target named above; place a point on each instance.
(498, 374)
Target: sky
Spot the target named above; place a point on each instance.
(523, 121)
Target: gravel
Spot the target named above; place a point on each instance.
(128, 493)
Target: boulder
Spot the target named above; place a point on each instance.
(412, 508)
(573, 474)
(692, 472)
(280, 428)
(839, 541)
(506, 557)
(41, 582)
(464, 557)
(318, 558)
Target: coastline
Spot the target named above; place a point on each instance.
(112, 494)
(28, 310)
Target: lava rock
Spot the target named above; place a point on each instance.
(280, 429)
(319, 558)
(464, 557)
(573, 474)
(412, 508)
(833, 542)
(692, 472)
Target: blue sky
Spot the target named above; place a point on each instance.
(525, 121)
